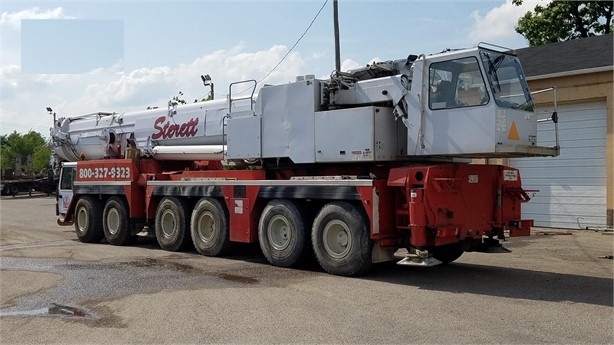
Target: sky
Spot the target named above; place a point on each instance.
(82, 57)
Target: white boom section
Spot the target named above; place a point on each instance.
(106, 135)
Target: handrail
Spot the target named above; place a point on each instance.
(251, 96)
(99, 114)
(555, 115)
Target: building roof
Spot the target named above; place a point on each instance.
(577, 54)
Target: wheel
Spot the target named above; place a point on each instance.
(170, 225)
(281, 233)
(88, 220)
(116, 222)
(340, 239)
(447, 253)
(209, 229)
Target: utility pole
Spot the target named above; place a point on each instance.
(336, 24)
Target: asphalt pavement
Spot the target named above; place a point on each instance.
(555, 287)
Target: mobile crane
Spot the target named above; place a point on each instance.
(350, 168)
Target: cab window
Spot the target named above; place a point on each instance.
(456, 83)
(68, 175)
(509, 87)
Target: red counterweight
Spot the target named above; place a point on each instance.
(456, 202)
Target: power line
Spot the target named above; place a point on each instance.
(295, 43)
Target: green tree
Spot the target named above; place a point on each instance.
(5, 152)
(206, 98)
(180, 100)
(177, 100)
(41, 158)
(565, 20)
(23, 145)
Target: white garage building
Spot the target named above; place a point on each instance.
(576, 189)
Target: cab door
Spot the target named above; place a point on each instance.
(65, 191)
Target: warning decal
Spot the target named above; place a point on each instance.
(510, 175)
(513, 133)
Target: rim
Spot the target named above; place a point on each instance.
(337, 239)
(168, 223)
(278, 232)
(113, 221)
(82, 219)
(206, 227)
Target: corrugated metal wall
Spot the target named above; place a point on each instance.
(572, 187)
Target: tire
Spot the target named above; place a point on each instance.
(88, 220)
(116, 222)
(209, 229)
(340, 239)
(171, 224)
(281, 233)
(447, 253)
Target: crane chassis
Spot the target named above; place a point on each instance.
(372, 165)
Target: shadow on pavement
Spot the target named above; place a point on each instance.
(459, 278)
(500, 282)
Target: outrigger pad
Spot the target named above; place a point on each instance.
(418, 261)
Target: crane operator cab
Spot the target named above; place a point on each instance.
(466, 103)
(477, 104)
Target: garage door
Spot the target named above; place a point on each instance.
(572, 186)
